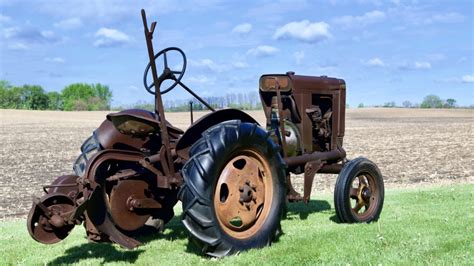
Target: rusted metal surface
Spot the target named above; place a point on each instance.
(194, 132)
(47, 220)
(132, 171)
(244, 194)
(159, 109)
(123, 201)
(363, 193)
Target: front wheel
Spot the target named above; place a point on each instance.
(234, 189)
(359, 192)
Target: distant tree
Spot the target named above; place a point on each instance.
(55, 100)
(94, 96)
(75, 92)
(80, 105)
(104, 94)
(361, 105)
(432, 101)
(450, 103)
(390, 104)
(407, 104)
(34, 98)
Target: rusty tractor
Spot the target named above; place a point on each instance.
(231, 174)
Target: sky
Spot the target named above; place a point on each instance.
(385, 50)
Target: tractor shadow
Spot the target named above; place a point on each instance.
(109, 252)
(304, 210)
(173, 230)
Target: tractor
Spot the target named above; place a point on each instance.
(231, 174)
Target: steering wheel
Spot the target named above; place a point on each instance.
(167, 72)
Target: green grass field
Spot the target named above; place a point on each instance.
(417, 226)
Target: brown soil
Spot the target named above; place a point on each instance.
(411, 147)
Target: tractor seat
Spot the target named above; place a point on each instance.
(139, 123)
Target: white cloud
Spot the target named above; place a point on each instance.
(303, 31)
(363, 20)
(451, 17)
(201, 79)
(4, 19)
(240, 64)
(209, 64)
(299, 56)
(29, 34)
(243, 28)
(422, 65)
(468, 78)
(263, 51)
(59, 60)
(110, 37)
(417, 65)
(18, 46)
(375, 62)
(68, 24)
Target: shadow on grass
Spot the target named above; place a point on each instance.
(113, 253)
(173, 230)
(304, 210)
(335, 219)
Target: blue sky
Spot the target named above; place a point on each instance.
(385, 50)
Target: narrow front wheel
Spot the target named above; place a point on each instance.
(359, 192)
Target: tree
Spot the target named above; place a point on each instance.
(407, 104)
(450, 103)
(390, 104)
(34, 97)
(361, 105)
(55, 101)
(92, 97)
(75, 92)
(104, 94)
(432, 101)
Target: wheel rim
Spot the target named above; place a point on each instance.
(244, 194)
(364, 196)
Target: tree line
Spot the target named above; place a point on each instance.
(74, 97)
(429, 101)
(242, 101)
(94, 97)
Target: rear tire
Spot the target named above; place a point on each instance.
(234, 170)
(359, 192)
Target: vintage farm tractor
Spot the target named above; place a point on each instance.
(231, 174)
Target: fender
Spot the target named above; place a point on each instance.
(194, 132)
(110, 138)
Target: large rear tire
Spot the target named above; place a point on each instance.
(234, 189)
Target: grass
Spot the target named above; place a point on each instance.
(417, 226)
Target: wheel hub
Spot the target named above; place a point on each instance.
(246, 192)
(366, 194)
(243, 192)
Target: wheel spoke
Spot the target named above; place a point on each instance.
(357, 207)
(362, 180)
(354, 192)
(165, 59)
